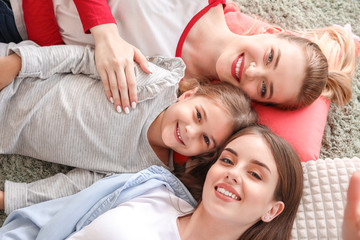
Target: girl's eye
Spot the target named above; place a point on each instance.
(226, 160)
(198, 115)
(263, 89)
(270, 57)
(254, 174)
(207, 140)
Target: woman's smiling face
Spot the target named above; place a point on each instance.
(267, 68)
(239, 187)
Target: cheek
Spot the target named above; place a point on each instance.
(253, 189)
(196, 148)
(258, 195)
(208, 184)
(250, 89)
(220, 69)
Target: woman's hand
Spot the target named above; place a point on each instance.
(114, 59)
(10, 67)
(351, 224)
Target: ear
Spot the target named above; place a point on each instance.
(187, 94)
(276, 209)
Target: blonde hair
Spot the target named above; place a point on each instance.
(338, 46)
(331, 63)
(316, 72)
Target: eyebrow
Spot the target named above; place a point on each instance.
(254, 161)
(205, 118)
(278, 56)
(277, 59)
(271, 90)
(231, 151)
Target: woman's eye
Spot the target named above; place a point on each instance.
(263, 89)
(254, 174)
(226, 160)
(198, 115)
(271, 56)
(207, 140)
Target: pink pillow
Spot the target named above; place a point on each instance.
(302, 128)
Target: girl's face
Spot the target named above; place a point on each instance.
(265, 67)
(194, 125)
(239, 187)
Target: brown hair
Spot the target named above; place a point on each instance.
(338, 46)
(331, 63)
(316, 72)
(288, 190)
(236, 103)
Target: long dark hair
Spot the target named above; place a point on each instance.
(288, 190)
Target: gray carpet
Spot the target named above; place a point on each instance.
(342, 134)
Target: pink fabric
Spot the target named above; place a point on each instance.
(303, 128)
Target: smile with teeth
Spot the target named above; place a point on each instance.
(178, 133)
(237, 67)
(226, 193)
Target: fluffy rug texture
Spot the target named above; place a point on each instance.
(342, 135)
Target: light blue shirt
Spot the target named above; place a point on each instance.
(57, 219)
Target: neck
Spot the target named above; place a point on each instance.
(155, 139)
(200, 226)
(204, 44)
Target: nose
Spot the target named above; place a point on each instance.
(192, 131)
(234, 176)
(254, 71)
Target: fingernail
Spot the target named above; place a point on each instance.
(150, 69)
(111, 100)
(127, 110)
(133, 105)
(118, 109)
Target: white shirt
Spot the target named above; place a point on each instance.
(149, 216)
(153, 26)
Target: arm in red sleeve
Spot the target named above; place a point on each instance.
(93, 13)
(40, 22)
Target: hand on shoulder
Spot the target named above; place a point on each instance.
(114, 59)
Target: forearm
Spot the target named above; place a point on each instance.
(9, 69)
(44, 62)
(18, 195)
(105, 33)
(93, 13)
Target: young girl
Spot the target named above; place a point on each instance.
(62, 118)
(188, 29)
(252, 191)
